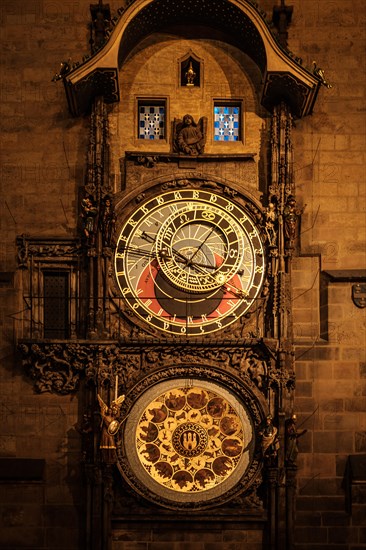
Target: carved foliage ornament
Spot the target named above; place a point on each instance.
(58, 368)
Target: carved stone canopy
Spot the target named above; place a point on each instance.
(237, 22)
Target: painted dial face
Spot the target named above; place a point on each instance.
(188, 441)
(192, 439)
(189, 262)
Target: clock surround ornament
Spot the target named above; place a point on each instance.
(189, 260)
(189, 442)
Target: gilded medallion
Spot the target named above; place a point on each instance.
(191, 439)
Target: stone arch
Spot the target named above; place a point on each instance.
(237, 22)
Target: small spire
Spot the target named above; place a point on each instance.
(281, 18)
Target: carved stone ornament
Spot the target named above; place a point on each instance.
(189, 137)
(58, 368)
(359, 295)
(43, 248)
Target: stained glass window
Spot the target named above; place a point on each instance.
(227, 121)
(151, 120)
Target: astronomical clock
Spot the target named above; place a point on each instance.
(188, 271)
(189, 262)
(177, 332)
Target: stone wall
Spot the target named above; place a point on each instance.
(43, 152)
(330, 366)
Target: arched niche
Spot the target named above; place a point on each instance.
(190, 70)
(237, 22)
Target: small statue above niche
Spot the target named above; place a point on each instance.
(190, 71)
(190, 75)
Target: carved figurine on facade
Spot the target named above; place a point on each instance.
(189, 137)
(107, 221)
(292, 435)
(64, 69)
(110, 427)
(271, 216)
(190, 75)
(319, 73)
(89, 214)
(291, 216)
(269, 443)
(101, 24)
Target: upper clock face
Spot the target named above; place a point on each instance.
(189, 262)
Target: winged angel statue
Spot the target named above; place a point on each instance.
(189, 137)
(110, 427)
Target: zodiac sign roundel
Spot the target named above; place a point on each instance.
(189, 441)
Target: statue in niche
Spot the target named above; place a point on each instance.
(270, 216)
(107, 221)
(270, 443)
(189, 137)
(89, 215)
(190, 75)
(292, 435)
(291, 216)
(110, 427)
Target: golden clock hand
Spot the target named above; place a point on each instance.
(232, 289)
(229, 287)
(208, 266)
(164, 252)
(201, 245)
(137, 252)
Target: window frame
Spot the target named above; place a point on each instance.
(224, 102)
(150, 101)
(61, 302)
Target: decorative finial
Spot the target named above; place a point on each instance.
(65, 68)
(319, 73)
(281, 18)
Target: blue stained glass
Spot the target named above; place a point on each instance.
(226, 122)
(151, 122)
